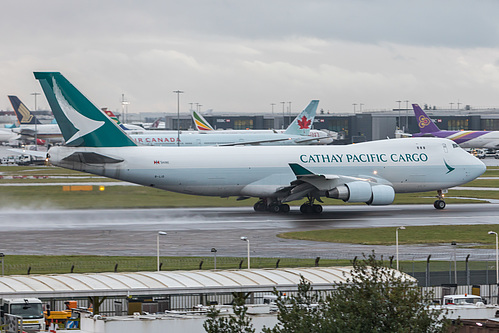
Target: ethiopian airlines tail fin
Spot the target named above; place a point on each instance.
(201, 123)
(82, 123)
(23, 114)
(424, 122)
(302, 124)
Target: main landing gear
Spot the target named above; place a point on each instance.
(262, 205)
(440, 203)
(310, 208)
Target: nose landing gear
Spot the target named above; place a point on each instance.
(440, 203)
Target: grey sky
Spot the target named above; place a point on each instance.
(241, 56)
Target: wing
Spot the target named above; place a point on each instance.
(371, 190)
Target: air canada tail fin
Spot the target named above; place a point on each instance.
(202, 124)
(424, 122)
(82, 123)
(23, 114)
(302, 124)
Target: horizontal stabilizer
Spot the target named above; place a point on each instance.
(91, 158)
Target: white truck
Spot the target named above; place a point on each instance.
(30, 309)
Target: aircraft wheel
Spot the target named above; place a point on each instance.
(259, 207)
(317, 209)
(275, 208)
(305, 208)
(439, 204)
(284, 208)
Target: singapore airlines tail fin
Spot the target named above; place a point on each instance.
(424, 122)
(23, 114)
(82, 123)
(202, 125)
(303, 123)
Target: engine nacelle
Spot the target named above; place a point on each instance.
(363, 192)
(381, 195)
(351, 192)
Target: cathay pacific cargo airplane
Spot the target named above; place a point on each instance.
(466, 139)
(370, 172)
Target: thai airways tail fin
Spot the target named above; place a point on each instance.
(302, 124)
(82, 123)
(424, 122)
(202, 125)
(23, 114)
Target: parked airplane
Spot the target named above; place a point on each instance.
(30, 127)
(6, 135)
(370, 172)
(466, 139)
(301, 125)
(232, 138)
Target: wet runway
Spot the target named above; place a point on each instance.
(193, 232)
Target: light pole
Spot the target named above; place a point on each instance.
(36, 120)
(247, 240)
(354, 105)
(399, 112)
(160, 233)
(397, 243)
(272, 107)
(497, 256)
(406, 116)
(1, 258)
(454, 245)
(283, 103)
(178, 92)
(214, 251)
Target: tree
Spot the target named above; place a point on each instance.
(237, 323)
(374, 299)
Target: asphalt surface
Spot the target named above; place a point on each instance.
(193, 232)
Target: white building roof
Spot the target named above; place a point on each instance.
(169, 282)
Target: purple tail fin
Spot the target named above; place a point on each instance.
(424, 122)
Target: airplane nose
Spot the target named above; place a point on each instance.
(477, 168)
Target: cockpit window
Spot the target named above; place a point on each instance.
(455, 145)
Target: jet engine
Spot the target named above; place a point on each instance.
(363, 192)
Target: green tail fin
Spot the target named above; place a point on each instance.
(82, 123)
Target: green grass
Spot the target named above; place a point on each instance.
(462, 234)
(20, 264)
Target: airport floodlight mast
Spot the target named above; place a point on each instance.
(178, 92)
(454, 245)
(399, 114)
(497, 255)
(283, 104)
(397, 244)
(36, 132)
(160, 233)
(214, 251)
(406, 116)
(247, 240)
(354, 105)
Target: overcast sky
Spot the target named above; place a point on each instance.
(241, 56)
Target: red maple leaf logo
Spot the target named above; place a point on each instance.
(304, 123)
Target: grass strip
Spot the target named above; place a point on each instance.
(462, 234)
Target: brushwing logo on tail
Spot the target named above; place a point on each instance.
(423, 121)
(85, 125)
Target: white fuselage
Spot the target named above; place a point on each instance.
(416, 165)
(213, 138)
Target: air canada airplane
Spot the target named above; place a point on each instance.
(301, 125)
(296, 134)
(466, 139)
(370, 172)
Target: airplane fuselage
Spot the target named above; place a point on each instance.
(418, 165)
(468, 139)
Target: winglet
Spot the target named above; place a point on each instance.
(201, 123)
(304, 121)
(298, 170)
(424, 122)
(23, 114)
(82, 123)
